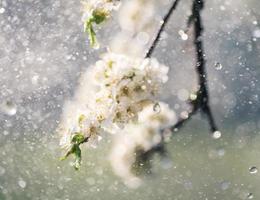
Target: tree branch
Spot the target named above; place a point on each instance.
(164, 22)
(202, 101)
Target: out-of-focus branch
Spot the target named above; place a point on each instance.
(164, 22)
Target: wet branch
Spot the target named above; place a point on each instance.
(201, 102)
(164, 22)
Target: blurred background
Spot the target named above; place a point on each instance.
(43, 52)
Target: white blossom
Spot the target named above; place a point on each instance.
(127, 84)
(139, 136)
(121, 87)
(137, 27)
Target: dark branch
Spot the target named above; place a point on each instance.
(202, 101)
(164, 22)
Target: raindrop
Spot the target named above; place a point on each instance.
(250, 196)
(253, 170)
(218, 66)
(9, 108)
(183, 35)
(22, 183)
(157, 108)
(216, 135)
(2, 10)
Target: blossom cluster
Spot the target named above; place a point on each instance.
(139, 137)
(127, 84)
(123, 86)
(96, 11)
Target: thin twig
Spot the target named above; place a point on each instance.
(164, 22)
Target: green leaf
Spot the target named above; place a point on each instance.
(91, 33)
(76, 151)
(78, 138)
(98, 17)
(77, 154)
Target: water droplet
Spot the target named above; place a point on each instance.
(250, 196)
(253, 170)
(216, 135)
(218, 66)
(183, 35)
(9, 108)
(2, 10)
(157, 108)
(22, 183)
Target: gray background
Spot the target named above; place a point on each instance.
(43, 51)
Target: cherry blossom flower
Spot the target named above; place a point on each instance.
(139, 137)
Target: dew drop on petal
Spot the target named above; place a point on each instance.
(157, 108)
(253, 170)
(216, 135)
